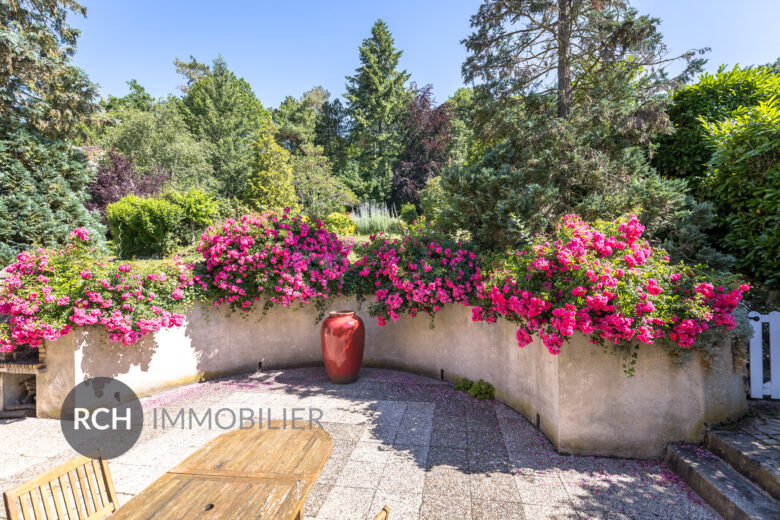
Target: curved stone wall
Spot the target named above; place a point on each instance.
(581, 399)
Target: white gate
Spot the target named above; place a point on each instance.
(759, 388)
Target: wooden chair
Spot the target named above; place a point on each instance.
(384, 514)
(80, 489)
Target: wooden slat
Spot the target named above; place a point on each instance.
(756, 357)
(56, 493)
(26, 513)
(75, 492)
(101, 483)
(97, 503)
(112, 498)
(774, 354)
(82, 476)
(46, 505)
(34, 500)
(10, 506)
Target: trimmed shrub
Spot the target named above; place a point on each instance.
(743, 180)
(463, 384)
(341, 224)
(408, 213)
(199, 209)
(144, 226)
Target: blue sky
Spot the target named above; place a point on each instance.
(286, 47)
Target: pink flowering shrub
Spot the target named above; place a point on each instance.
(606, 282)
(420, 273)
(276, 259)
(48, 291)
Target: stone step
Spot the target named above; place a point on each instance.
(728, 492)
(756, 460)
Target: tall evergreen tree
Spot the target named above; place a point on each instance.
(296, 119)
(220, 109)
(376, 100)
(331, 131)
(44, 99)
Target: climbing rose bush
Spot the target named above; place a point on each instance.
(279, 259)
(419, 273)
(48, 291)
(606, 282)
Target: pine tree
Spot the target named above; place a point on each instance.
(269, 185)
(377, 99)
(220, 109)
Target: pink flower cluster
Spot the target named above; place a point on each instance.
(415, 275)
(281, 259)
(610, 286)
(47, 291)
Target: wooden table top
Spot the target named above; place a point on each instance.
(243, 474)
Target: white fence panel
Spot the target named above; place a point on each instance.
(758, 388)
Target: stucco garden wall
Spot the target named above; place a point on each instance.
(581, 398)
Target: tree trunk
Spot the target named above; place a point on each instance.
(564, 51)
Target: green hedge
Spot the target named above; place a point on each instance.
(143, 227)
(743, 178)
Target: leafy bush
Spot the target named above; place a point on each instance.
(320, 192)
(144, 226)
(282, 260)
(685, 153)
(608, 283)
(463, 384)
(482, 390)
(117, 177)
(434, 202)
(743, 179)
(341, 224)
(48, 291)
(199, 209)
(419, 273)
(371, 218)
(408, 213)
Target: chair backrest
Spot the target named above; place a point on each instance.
(384, 514)
(80, 489)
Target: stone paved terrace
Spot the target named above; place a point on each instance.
(400, 439)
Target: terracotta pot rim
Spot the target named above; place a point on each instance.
(337, 314)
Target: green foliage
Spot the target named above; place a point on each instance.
(482, 390)
(192, 71)
(296, 119)
(331, 132)
(372, 218)
(143, 226)
(479, 390)
(137, 99)
(408, 213)
(377, 99)
(40, 88)
(232, 208)
(269, 185)
(743, 179)
(435, 203)
(463, 142)
(341, 224)
(199, 209)
(158, 137)
(43, 185)
(713, 97)
(220, 109)
(463, 384)
(319, 191)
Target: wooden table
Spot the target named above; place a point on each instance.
(243, 474)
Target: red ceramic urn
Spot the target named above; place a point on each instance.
(343, 337)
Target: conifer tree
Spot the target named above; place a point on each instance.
(376, 100)
(269, 185)
(220, 109)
